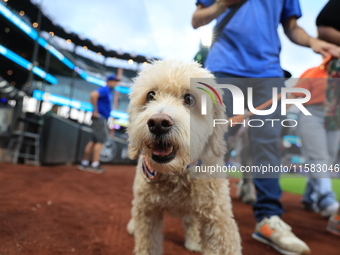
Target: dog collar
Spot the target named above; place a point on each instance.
(151, 175)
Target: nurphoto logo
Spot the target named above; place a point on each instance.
(239, 103)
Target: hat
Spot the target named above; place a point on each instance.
(112, 78)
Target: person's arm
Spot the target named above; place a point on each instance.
(204, 15)
(329, 34)
(299, 36)
(94, 99)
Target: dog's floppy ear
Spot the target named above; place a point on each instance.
(217, 142)
(133, 151)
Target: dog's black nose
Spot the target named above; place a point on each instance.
(159, 124)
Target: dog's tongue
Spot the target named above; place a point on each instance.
(161, 151)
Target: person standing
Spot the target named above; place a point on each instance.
(101, 100)
(328, 23)
(319, 151)
(249, 47)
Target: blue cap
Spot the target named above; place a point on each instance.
(112, 77)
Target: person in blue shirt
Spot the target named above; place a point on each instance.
(101, 100)
(249, 47)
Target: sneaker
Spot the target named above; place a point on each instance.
(333, 225)
(83, 167)
(278, 234)
(246, 191)
(96, 170)
(330, 210)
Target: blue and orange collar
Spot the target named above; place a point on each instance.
(151, 175)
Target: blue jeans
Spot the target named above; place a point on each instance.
(264, 141)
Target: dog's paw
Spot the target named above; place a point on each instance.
(192, 246)
(131, 227)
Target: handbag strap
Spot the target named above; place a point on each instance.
(219, 27)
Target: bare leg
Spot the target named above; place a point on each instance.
(88, 150)
(96, 152)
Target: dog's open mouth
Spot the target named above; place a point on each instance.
(163, 154)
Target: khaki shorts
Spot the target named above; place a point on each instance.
(100, 130)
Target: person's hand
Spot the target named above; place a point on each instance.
(95, 114)
(325, 48)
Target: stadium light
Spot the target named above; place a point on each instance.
(13, 18)
(60, 100)
(27, 65)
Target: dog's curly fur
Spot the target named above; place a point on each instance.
(204, 203)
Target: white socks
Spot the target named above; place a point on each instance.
(84, 162)
(95, 164)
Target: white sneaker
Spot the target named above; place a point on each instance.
(333, 225)
(278, 234)
(330, 210)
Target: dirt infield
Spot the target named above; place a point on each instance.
(61, 210)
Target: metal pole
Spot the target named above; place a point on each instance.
(17, 113)
(72, 84)
(116, 98)
(35, 49)
(47, 66)
(35, 54)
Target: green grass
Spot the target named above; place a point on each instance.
(295, 184)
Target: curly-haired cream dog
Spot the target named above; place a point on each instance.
(168, 133)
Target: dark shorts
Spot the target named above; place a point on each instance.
(100, 130)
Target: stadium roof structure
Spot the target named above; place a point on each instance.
(18, 37)
(74, 75)
(31, 11)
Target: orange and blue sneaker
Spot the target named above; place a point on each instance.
(333, 225)
(275, 232)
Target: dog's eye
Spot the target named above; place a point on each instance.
(189, 100)
(150, 96)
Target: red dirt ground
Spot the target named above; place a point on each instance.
(61, 210)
